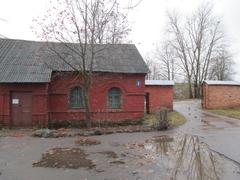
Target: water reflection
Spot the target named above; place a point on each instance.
(187, 157)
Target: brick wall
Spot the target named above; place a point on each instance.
(132, 97)
(39, 101)
(50, 101)
(160, 96)
(220, 96)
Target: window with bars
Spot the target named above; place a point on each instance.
(75, 98)
(114, 98)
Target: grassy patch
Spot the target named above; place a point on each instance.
(235, 112)
(175, 118)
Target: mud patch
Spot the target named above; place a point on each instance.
(85, 141)
(72, 158)
(109, 154)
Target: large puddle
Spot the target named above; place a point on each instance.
(187, 157)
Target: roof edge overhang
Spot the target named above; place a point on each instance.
(221, 83)
(159, 83)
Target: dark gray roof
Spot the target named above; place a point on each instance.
(31, 61)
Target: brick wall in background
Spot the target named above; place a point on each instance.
(220, 96)
(160, 96)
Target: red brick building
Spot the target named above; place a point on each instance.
(36, 86)
(159, 93)
(220, 94)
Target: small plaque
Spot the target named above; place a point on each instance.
(138, 83)
(15, 101)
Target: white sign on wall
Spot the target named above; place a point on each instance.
(15, 101)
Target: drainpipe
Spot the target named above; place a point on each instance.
(47, 106)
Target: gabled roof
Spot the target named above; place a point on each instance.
(32, 61)
(159, 83)
(216, 82)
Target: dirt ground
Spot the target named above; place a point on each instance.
(69, 158)
(200, 149)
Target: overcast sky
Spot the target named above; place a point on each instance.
(148, 21)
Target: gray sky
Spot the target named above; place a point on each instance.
(148, 21)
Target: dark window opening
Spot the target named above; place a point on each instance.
(114, 98)
(76, 98)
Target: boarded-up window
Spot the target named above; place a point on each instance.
(114, 98)
(75, 98)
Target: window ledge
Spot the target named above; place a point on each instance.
(76, 110)
(114, 110)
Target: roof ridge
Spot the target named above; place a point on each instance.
(57, 42)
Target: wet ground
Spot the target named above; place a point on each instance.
(220, 133)
(206, 147)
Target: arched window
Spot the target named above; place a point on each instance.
(75, 98)
(114, 98)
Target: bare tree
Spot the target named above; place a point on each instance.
(165, 57)
(153, 66)
(113, 29)
(196, 41)
(85, 23)
(222, 67)
(132, 5)
(179, 45)
(161, 63)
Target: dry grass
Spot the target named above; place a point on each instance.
(235, 112)
(175, 118)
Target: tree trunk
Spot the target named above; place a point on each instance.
(197, 90)
(197, 93)
(88, 113)
(190, 89)
(88, 119)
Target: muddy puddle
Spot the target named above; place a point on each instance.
(186, 157)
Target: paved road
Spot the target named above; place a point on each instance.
(142, 157)
(221, 133)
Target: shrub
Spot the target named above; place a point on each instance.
(54, 124)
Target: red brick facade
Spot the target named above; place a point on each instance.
(220, 96)
(50, 100)
(160, 96)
